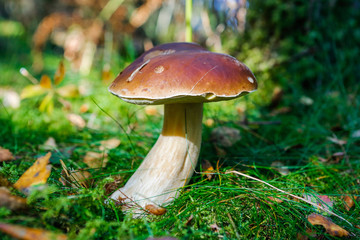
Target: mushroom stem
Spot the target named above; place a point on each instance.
(170, 163)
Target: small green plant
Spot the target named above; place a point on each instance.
(49, 89)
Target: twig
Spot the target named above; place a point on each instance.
(292, 195)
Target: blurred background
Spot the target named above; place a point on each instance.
(300, 51)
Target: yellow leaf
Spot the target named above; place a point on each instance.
(45, 81)
(68, 91)
(331, 228)
(59, 74)
(46, 103)
(38, 173)
(32, 91)
(25, 233)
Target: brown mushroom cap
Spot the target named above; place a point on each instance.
(182, 73)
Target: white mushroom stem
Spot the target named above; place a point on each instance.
(170, 163)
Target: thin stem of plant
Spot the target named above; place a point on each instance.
(292, 195)
(188, 13)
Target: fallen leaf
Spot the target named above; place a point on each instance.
(68, 91)
(4, 182)
(38, 173)
(209, 122)
(10, 201)
(338, 156)
(59, 74)
(76, 120)
(280, 167)
(156, 210)
(26, 233)
(84, 108)
(281, 110)
(76, 179)
(49, 144)
(207, 168)
(95, 159)
(331, 228)
(225, 136)
(274, 200)
(189, 220)
(349, 201)
(337, 141)
(112, 186)
(109, 144)
(277, 96)
(151, 111)
(45, 81)
(5, 155)
(215, 228)
(320, 200)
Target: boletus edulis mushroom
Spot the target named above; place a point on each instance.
(182, 76)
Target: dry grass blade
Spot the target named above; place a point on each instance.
(292, 195)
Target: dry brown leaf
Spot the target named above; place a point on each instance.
(109, 144)
(189, 220)
(113, 186)
(321, 200)
(209, 122)
(349, 201)
(84, 108)
(331, 228)
(49, 144)
(38, 173)
(207, 168)
(26, 233)
(151, 111)
(95, 159)
(225, 136)
(76, 120)
(5, 155)
(337, 141)
(156, 210)
(76, 178)
(274, 200)
(10, 201)
(214, 227)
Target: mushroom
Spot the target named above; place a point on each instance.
(182, 76)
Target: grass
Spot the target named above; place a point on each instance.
(227, 206)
